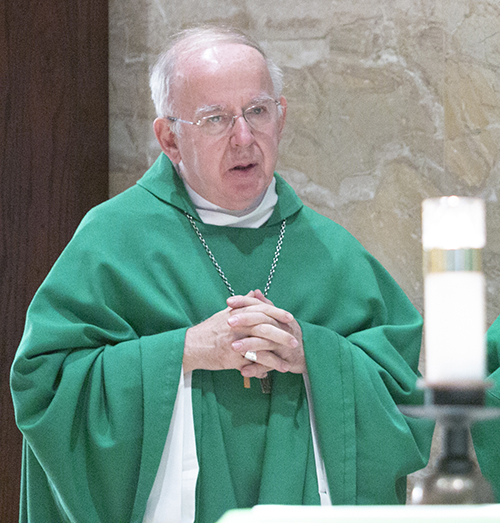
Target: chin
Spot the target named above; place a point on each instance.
(240, 200)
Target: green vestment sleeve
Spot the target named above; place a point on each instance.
(95, 382)
(486, 434)
(96, 375)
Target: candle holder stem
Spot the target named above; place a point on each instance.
(456, 479)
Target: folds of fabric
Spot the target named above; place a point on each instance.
(96, 376)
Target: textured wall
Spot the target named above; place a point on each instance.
(390, 102)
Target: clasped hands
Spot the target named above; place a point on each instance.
(249, 323)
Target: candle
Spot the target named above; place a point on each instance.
(453, 234)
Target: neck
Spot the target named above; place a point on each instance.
(252, 216)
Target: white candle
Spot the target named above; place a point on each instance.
(453, 234)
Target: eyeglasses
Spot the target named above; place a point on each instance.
(258, 116)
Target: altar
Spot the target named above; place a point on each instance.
(365, 514)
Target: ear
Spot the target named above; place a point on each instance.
(167, 139)
(283, 115)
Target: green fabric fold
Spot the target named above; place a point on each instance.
(97, 372)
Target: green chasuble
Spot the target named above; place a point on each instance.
(486, 434)
(96, 376)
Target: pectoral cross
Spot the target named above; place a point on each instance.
(265, 384)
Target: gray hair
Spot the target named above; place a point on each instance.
(196, 39)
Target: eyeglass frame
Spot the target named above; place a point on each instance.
(234, 117)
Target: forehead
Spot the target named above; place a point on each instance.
(222, 74)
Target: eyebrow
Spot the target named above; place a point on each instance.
(206, 110)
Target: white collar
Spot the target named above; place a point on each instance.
(252, 217)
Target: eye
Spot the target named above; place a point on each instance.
(214, 119)
(257, 110)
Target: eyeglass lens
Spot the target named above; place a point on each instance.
(257, 116)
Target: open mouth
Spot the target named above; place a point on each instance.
(245, 167)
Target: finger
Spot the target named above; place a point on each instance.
(238, 300)
(255, 370)
(245, 305)
(265, 360)
(249, 319)
(260, 296)
(264, 337)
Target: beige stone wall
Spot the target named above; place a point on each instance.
(390, 102)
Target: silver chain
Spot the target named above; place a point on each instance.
(218, 267)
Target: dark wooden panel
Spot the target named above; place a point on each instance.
(53, 165)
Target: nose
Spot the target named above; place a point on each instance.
(241, 132)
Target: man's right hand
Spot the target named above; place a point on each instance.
(208, 345)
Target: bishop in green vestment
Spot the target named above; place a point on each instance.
(141, 297)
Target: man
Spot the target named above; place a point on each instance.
(136, 384)
(485, 433)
